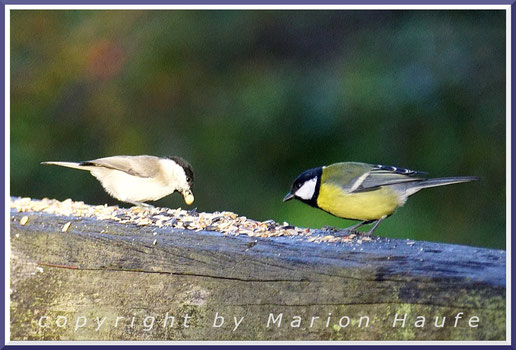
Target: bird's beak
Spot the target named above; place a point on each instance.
(188, 196)
(288, 197)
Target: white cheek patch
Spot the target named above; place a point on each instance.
(307, 191)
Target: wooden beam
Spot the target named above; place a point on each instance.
(107, 270)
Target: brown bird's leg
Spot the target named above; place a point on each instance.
(140, 204)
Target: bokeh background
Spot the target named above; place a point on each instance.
(253, 98)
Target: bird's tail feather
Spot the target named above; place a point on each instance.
(439, 181)
(68, 165)
(442, 181)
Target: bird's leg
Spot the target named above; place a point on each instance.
(376, 225)
(354, 227)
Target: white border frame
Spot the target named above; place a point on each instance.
(8, 9)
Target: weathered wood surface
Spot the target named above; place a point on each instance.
(106, 269)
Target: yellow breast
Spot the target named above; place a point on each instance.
(369, 205)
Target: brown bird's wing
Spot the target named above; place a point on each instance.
(141, 166)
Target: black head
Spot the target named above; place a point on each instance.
(306, 187)
(186, 167)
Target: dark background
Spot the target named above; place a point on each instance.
(253, 98)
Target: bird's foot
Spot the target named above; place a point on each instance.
(352, 231)
(141, 205)
(336, 231)
(331, 229)
(361, 233)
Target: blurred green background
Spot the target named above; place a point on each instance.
(253, 98)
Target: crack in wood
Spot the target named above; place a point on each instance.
(187, 274)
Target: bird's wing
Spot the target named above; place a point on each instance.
(141, 166)
(382, 175)
(359, 177)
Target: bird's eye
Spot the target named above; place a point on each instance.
(188, 179)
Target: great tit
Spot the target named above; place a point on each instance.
(360, 191)
(138, 179)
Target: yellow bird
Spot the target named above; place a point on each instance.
(360, 191)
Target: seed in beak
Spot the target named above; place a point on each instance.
(189, 198)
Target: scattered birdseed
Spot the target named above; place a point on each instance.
(224, 222)
(24, 220)
(66, 227)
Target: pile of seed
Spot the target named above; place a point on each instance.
(225, 222)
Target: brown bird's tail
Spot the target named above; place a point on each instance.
(68, 165)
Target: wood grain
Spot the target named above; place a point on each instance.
(100, 268)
